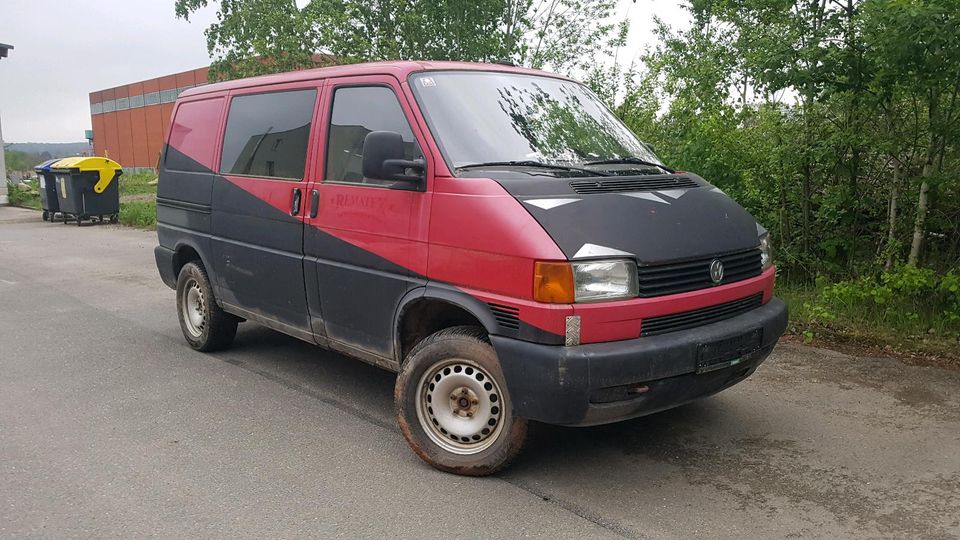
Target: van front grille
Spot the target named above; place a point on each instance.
(691, 275)
(699, 317)
(629, 185)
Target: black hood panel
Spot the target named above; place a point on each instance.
(654, 226)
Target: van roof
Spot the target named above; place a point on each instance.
(399, 69)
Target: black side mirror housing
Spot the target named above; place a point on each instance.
(383, 158)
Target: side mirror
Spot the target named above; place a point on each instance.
(650, 147)
(383, 158)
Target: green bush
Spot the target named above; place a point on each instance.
(908, 299)
(29, 198)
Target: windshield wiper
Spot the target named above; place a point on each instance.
(532, 163)
(630, 160)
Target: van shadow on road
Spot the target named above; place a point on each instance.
(739, 450)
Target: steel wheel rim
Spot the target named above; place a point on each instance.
(192, 308)
(460, 407)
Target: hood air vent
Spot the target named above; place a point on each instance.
(628, 185)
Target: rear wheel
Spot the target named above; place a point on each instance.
(205, 325)
(453, 405)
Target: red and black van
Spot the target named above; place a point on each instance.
(493, 234)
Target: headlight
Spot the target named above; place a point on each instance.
(604, 280)
(589, 281)
(766, 251)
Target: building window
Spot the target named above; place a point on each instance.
(109, 105)
(357, 111)
(123, 103)
(168, 96)
(151, 98)
(136, 101)
(96, 108)
(267, 134)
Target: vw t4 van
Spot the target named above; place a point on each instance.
(493, 234)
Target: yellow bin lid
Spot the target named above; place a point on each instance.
(107, 168)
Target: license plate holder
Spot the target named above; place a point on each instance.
(727, 352)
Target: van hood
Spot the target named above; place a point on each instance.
(652, 218)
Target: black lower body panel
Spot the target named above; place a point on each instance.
(608, 382)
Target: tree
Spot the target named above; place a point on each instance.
(252, 37)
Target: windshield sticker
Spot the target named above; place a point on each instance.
(427, 81)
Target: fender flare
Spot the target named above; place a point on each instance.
(192, 245)
(447, 294)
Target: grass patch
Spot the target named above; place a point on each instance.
(139, 183)
(142, 214)
(138, 200)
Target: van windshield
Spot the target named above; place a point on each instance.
(486, 117)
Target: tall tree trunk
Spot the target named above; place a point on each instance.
(919, 223)
(892, 218)
(807, 169)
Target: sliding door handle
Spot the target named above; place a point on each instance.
(314, 203)
(295, 209)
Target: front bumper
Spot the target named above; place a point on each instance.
(607, 382)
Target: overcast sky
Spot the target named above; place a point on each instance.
(65, 49)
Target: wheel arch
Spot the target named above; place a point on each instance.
(186, 251)
(436, 307)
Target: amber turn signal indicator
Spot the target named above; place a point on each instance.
(553, 282)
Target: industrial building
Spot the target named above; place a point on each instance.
(130, 121)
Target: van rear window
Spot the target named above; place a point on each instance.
(193, 136)
(267, 134)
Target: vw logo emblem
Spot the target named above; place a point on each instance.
(716, 271)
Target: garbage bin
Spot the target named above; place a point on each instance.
(48, 190)
(88, 187)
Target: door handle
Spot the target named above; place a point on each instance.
(296, 202)
(314, 203)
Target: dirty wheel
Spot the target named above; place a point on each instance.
(453, 406)
(205, 326)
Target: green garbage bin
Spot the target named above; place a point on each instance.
(48, 190)
(88, 187)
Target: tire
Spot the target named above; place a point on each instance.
(452, 379)
(205, 326)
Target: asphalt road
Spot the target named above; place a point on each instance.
(110, 426)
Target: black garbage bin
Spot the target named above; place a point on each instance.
(48, 190)
(88, 187)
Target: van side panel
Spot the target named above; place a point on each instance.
(186, 177)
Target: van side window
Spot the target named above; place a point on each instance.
(358, 110)
(193, 136)
(267, 134)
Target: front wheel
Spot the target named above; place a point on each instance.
(205, 325)
(453, 406)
